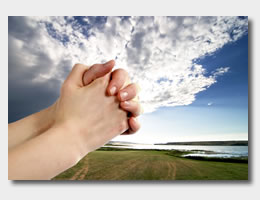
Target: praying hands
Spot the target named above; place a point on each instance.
(95, 105)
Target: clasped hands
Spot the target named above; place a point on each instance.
(93, 103)
(94, 106)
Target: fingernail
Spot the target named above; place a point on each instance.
(126, 103)
(112, 90)
(123, 95)
(108, 64)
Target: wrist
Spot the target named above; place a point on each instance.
(44, 119)
(30, 126)
(72, 137)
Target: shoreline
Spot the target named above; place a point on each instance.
(186, 154)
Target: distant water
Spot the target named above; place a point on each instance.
(209, 151)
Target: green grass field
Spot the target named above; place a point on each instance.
(117, 164)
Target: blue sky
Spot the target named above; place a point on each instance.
(219, 113)
(193, 71)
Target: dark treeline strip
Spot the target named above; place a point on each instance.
(208, 143)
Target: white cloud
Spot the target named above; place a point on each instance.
(210, 103)
(158, 52)
(220, 71)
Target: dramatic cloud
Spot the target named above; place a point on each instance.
(160, 53)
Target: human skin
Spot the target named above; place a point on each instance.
(37, 123)
(121, 86)
(85, 119)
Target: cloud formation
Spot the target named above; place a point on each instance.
(160, 53)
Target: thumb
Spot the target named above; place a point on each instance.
(75, 76)
(97, 71)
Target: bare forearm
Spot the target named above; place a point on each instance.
(43, 157)
(30, 127)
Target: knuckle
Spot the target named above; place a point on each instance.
(133, 88)
(121, 75)
(137, 110)
(135, 125)
(77, 65)
(121, 71)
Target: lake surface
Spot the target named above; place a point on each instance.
(208, 151)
